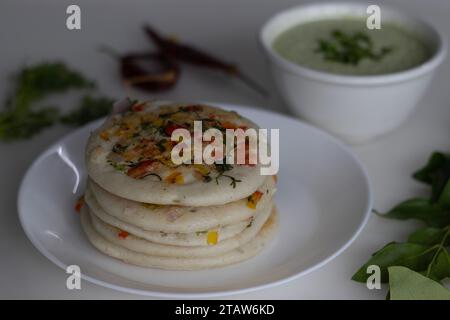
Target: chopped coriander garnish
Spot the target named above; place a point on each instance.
(233, 180)
(350, 48)
(119, 167)
(145, 125)
(118, 148)
(161, 145)
(222, 168)
(168, 114)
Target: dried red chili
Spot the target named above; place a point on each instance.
(150, 71)
(156, 71)
(191, 55)
(188, 54)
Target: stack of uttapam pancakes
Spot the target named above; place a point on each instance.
(145, 210)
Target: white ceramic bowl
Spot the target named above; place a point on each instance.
(355, 108)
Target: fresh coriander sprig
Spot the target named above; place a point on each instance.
(24, 123)
(91, 108)
(21, 119)
(37, 81)
(349, 48)
(33, 83)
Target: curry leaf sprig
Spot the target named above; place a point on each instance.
(426, 251)
(350, 48)
(21, 118)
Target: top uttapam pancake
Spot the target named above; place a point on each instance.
(130, 156)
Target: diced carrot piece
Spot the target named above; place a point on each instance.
(123, 234)
(79, 204)
(138, 107)
(171, 127)
(228, 125)
(253, 199)
(175, 177)
(104, 135)
(142, 169)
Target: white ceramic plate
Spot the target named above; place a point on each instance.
(323, 199)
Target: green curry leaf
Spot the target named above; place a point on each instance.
(406, 284)
(413, 256)
(439, 268)
(422, 209)
(444, 198)
(429, 236)
(435, 173)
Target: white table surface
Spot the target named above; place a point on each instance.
(33, 31)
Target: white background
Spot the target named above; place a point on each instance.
(33, 31)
